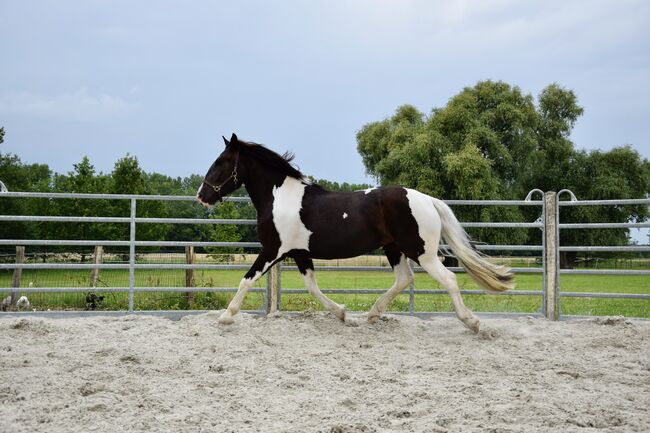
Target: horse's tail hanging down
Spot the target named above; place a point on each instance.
(488, 275)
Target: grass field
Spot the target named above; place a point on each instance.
(331, 279)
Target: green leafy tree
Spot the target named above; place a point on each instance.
(620, 173)
(18, 176)
(83, 179)
(128, 177)
(492, 141)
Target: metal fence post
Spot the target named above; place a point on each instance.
(132, 256)
(550, 255)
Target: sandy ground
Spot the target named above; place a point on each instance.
(312, 373)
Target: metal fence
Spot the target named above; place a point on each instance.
(548, 223)
(573, 201)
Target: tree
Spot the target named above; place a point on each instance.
(128, 178)
(620, 173)
(18, 176)
(476, 147)
(83, 179)
(491, 141)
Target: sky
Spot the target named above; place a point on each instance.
(165, 80)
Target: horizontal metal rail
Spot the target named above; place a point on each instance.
(91, 243)
(494, 202)
(192, 198)
(285, 291)
(605, 271)
(128, 289)
(416, 269)
(124, 220)
(159, 266)
(65, 195)
(605, 295)
(628, 248)
(604, 225)
(605, 202)
(178, 314)
(295, 291)
(172, 266)
(503, 225)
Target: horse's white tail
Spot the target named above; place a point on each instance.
(488, 275)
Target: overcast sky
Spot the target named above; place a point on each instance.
(164, 80)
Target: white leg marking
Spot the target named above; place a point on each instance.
(287, 202)
(226, 317)
(312, 286)
(447, 279)
(403, 277)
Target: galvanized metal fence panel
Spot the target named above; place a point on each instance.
(573, 202)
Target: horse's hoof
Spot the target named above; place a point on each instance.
(472, 323)
(226, 319)
(340, 313)
(373, 318)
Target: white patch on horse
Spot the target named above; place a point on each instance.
(427, 219)
(345, 215)
(369, 190)
(287, 202)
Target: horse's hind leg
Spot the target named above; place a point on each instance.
(403, 277)
(447, 279)
(306, 268)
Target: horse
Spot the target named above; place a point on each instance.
(300, 220)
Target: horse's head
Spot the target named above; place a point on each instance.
(223, 177)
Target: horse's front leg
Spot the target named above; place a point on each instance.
(262, 264)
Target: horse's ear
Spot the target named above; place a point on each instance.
(225, 140)
(234, 139)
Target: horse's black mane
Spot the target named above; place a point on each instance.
(265, 155)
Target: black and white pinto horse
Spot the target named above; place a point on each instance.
(303, 221)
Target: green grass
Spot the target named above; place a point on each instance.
(342, 279)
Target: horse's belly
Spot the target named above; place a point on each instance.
(340, 243)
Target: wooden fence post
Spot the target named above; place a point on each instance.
(272, 288)
(190, 258)
(18, 273)
(550, 239)
(98, 256)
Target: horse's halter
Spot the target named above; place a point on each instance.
(233, 176)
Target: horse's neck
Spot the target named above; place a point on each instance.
(260, 190)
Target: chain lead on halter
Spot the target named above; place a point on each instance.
(233, 176)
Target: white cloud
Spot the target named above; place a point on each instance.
(79, 105)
